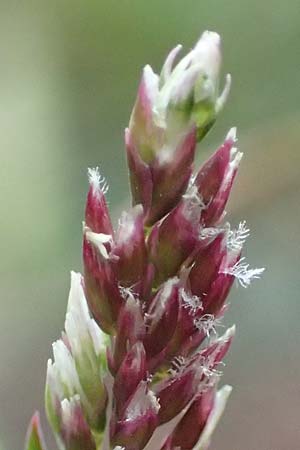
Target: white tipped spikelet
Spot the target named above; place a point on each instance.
(62, 382)
(243, 273)
(77, 366)
(63, 370)
(76, 302)
(97, 181)
(80, 328)
(207, 54)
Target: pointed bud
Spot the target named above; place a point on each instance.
(101, 286)
(130, 374)
(215, 299)
(171, 172)
(34, 438)
(173, 239)
(130, 329)
(176, 392)
(207, 264)
(214, 180)
(190, 307)
(96, 212)
(75, 432)
(146, 134)
(158, 185)
(139, 422)
(162, 317)
(129, 249)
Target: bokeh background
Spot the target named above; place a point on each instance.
(68, 78)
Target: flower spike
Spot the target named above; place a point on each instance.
(139, 361)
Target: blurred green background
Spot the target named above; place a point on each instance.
(68, 79)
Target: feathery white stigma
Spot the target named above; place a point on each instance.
(243, 274)
(127, 292)
(97, 181)
(236, 238)
(191, 302)
(208, 323)
(209, 232)
(206, 365)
